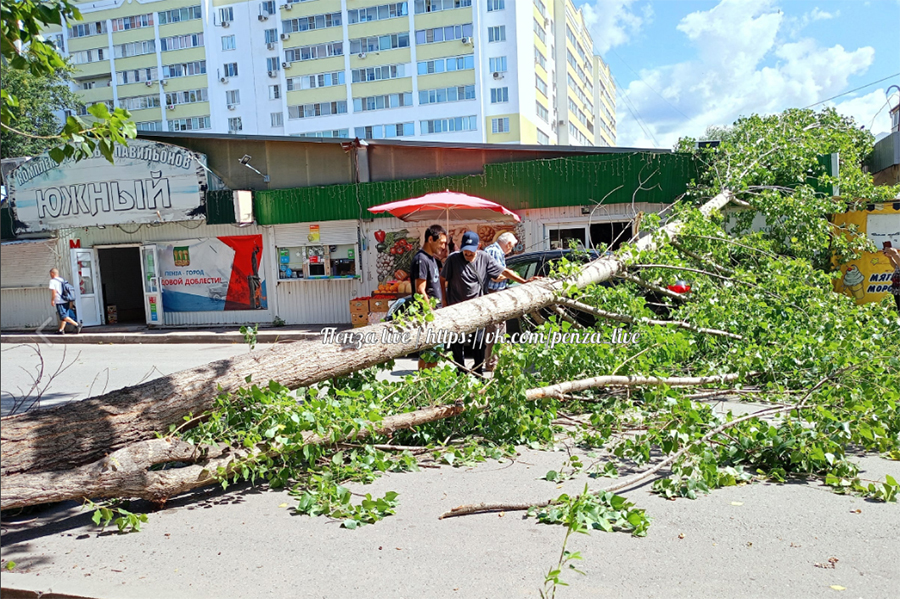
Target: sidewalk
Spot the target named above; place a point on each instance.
(117, 334)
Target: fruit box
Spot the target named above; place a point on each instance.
(378, 305)
(359, 319)
(359, 305)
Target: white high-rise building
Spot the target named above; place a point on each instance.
(497, 71)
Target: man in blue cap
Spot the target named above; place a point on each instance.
(465, 276)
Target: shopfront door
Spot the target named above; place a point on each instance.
(86, 280)
(152, 292)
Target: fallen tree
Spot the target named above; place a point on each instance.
(80, 433)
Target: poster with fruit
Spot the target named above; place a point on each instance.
(394, 259)
(488, 234)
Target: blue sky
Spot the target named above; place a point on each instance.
(682, 66)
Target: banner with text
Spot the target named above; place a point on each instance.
(211, 275)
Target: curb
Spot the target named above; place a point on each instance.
(148, 338)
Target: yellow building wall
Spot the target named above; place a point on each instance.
(181, 28)
(92, 96)
(375, 28)
(442, 50)
(379, 58)
(299, 9)
(454, 78)
(499, 138)
(182, 111)
(527, 131)
(144, 61)
(443, 18)
(179, 56)
(381, 88)
(182, 83)
(869, 278)
(139, 35)
(87, 43)
(310, 67)
(311, 38)
(314, 96)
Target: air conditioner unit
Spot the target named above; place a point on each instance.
(226, 24)
(286, 65)
(270, 46)
(361, 55)
(285, 37)
(164, 82)
(287, 6)
(466, 40)
(273, 74)
(224, 79)
(498, 75)
(561, 122)
(263, 17)
(170, 107)
(546, 21)
(149, 83)
(231, 107)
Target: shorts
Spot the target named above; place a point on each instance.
(63, 312)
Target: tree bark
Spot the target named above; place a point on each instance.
(126, 473)
(626, 381)
(80, 433)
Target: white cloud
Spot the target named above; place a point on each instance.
(742, 67)
(821, 15)
(871, 110)
(614, 22)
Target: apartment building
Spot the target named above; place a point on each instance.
(494, 71)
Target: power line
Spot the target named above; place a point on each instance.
(675, 108)
(628, 105)
(851, 91)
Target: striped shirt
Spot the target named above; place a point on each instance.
(499, 257)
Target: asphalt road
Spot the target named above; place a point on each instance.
(759, 540)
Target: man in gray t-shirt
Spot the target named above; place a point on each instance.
(465, 276)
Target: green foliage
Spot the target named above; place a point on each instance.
(23, 49)
(111, 512)
(250, 335)
(593, 511)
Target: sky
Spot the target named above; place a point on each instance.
(683, 65)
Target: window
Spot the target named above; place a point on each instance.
(185, 69)
(392, 71)
(539, 30)
(561, 236)
(274, 92)
(189, 96)
(273, 64)
(500, 125)
(179, 42)
(447, 94)
(497, 34)
(149, 126)
(542, 138)
(226, 14)
(440, 65)
(228, 42)
(315, 81)
(129, 23)
(234, 124)
(497, 65)
(541, 8)
(276, 119)
(460, 123)
(496, 5)
(267, 7)
(140, 102)
(542, 112)
(385, 131)
(88, 29)
(443, 34)
(134, 49)
(271, 36)
(311, 23)
(377, 13)
(230, 69)
(233, 96)
(314, 52)
(86, 56)
(499, 95)
(189, 124)
(423, 6)
(539, 58)
(382, 102)
(306, 111)
(341, 133)
(383, 42)
(541, 85)
(136, 76)
(178, 15)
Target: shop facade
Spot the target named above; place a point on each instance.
(133, 239)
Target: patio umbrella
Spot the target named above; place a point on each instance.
(447, 205)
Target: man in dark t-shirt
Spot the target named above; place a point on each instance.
(465, 276)
(425, 272)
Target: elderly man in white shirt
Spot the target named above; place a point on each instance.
(61, 305)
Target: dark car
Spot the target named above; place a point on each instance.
(540, 264)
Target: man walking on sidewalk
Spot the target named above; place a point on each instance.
(62, 306)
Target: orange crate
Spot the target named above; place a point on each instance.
(378, 305)
(359, 305)
(359, 319)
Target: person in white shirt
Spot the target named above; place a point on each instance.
(61, 305)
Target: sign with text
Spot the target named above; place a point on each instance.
(149, 182)
(211, 275)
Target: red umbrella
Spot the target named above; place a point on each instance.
(446, 205)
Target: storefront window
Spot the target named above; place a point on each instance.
(85, 273)
(318, 262)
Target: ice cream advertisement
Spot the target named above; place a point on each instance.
(868, 278)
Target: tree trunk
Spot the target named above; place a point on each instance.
(83, 432)
(627, 381)
(126, 472)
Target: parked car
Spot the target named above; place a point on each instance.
(540, 264)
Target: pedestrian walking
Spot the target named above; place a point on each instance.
(465, 276)
(61, 300)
